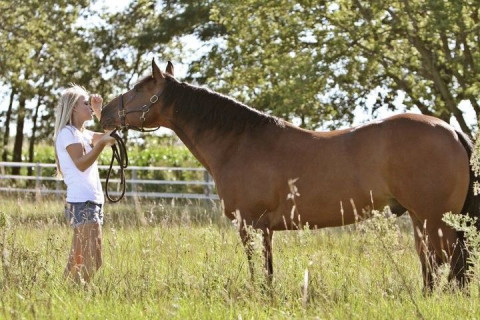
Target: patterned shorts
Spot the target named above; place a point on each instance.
(79, 213)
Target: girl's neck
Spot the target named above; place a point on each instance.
(77, 125)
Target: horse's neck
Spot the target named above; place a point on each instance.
(213, 146)
(208, 150)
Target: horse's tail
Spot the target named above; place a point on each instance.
(471, 205)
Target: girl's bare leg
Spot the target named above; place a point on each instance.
(86, 253)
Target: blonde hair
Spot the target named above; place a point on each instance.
(63, 113)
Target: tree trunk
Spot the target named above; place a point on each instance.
(17, 147)
(6, 134)
(31, 147)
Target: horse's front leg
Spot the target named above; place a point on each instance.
(267, 251)
(247, 236)
(247, 240)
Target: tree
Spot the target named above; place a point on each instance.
(48, 44)
(33, 38)
(422, 48)
(146, 28)
(8, 115)
(318, 60)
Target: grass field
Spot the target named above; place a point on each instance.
(185, 260)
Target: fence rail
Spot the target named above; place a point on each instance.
(142, 182)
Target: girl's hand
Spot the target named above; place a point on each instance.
(106, 139)
(96, 102)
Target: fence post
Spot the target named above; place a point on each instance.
(38, 185)
(207, 188)
(134, 183)
(58, 187)
(2, 172)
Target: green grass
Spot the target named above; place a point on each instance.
(185, 260)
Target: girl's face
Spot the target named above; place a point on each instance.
(82, 111)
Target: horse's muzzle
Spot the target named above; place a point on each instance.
(108, 124)
(109, 119)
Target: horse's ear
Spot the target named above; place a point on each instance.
(156, 73)
(169, 68)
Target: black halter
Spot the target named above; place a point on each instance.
(122, 113)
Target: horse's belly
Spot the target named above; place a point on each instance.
(321, 211)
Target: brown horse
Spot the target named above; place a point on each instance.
(409, 162)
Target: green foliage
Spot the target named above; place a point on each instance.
(44, 153)
(162, 156)
(475, 162)
(272, 62)
(3, 220)
(154, 152)
(40, 47)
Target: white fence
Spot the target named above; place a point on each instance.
(40, 183)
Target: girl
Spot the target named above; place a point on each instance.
(77, 150)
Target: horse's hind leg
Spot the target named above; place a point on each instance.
(425, 252)
(458, 263)
(435, 244)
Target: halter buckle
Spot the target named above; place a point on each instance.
(154, 98)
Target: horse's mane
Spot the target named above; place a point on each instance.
(207, 110)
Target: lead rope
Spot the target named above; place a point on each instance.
(120, 154)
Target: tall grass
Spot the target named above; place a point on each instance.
(185, 260)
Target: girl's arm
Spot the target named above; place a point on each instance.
(96, 102)
(84, 161)
(97, 136)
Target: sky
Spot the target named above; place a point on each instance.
(112, 5)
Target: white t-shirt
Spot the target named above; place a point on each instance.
(81, 186)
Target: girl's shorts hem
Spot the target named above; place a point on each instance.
(80, 213)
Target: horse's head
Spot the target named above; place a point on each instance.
(141, 107)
